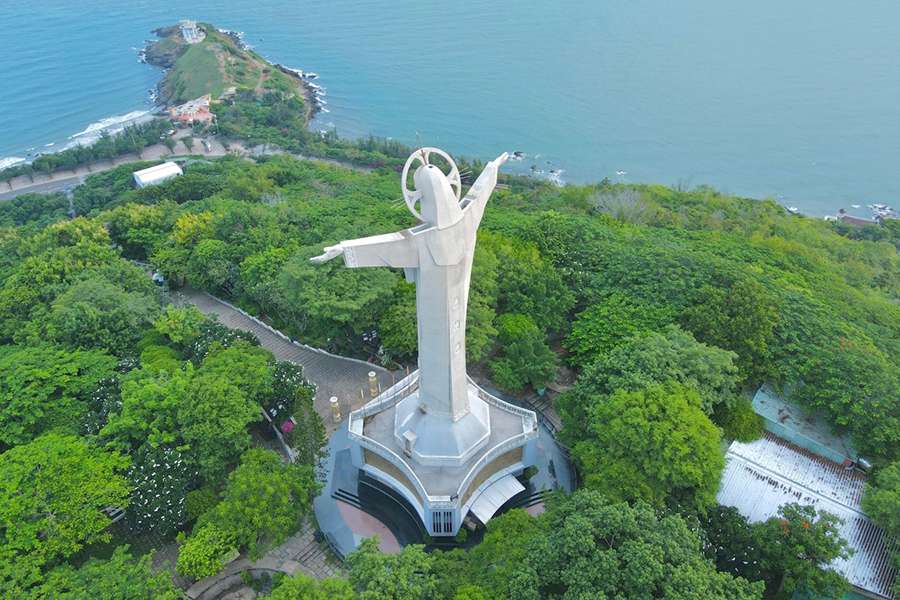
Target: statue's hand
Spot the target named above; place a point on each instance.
(330, 252)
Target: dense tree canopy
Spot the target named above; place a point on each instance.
(655, 445)
(53, 491)
(43, 388)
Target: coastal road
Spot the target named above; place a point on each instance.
(63, 184)
(67, 179)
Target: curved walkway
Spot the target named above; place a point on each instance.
(346, 378)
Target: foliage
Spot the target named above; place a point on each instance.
(132, 139)
(99, 314)
(120, 577)
(653, 444)
(52, 494)
(585, 547)
(791, 552)
(741, 318)
(407, 575)
(203, 554)
(800, 546)
(604, 326)
(524, 358)
(44, 388)
(303, 587)
(654, 357)
(882, 499)
(263, 501)
(149, 411)
(741, 422)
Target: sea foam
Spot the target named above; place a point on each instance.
(10, 161)
(110, 125)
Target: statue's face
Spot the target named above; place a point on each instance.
(439, 206)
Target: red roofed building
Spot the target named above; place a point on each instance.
(193, 111)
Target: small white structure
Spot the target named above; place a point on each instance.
(157, 174)
(191, 33)
(447, 446)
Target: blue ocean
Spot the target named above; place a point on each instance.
(797, 100)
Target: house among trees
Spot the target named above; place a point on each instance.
(800, 461)
(193, 111)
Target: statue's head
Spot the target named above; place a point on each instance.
(436, 193)
(439, 205)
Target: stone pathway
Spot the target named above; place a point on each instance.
(333, 375)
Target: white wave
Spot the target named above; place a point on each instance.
(10, 161)
(110, 123)
(49, 145)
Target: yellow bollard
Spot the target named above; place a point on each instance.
(335, 409)
(373, 384)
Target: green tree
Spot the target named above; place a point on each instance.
(204, 552)
(149, 413)
(214, 424)
(120, 577)
(397, 327)
(799, 545)
(263, 501)
(43, 388)
(182, 325)
(587, 547)
(604, 326)
(524, 357)
(528, 284)
(407, 575)
(654, 444)
(53, 491)
(303, 587)
(882, 499)
(335, 304)
(741, 318)
(98, 314)
(212, 268)
(733, 543)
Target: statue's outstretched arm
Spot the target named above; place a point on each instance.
(480, 192)
(386, 250)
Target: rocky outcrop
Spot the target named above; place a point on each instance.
(166, 50)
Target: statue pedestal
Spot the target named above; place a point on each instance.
(440, 466)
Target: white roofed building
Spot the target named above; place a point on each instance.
(157, 174)
(765, 474)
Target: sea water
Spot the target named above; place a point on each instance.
(797, 100)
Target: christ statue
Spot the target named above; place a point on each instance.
(436, 255)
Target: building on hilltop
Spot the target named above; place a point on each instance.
(157, 174)
(799, 460)
(448, 448)
(191, 32)
(193, 111)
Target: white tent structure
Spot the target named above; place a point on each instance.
(157, 174)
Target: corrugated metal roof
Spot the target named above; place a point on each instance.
(763, 475)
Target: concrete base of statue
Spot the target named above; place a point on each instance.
(444, 468)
